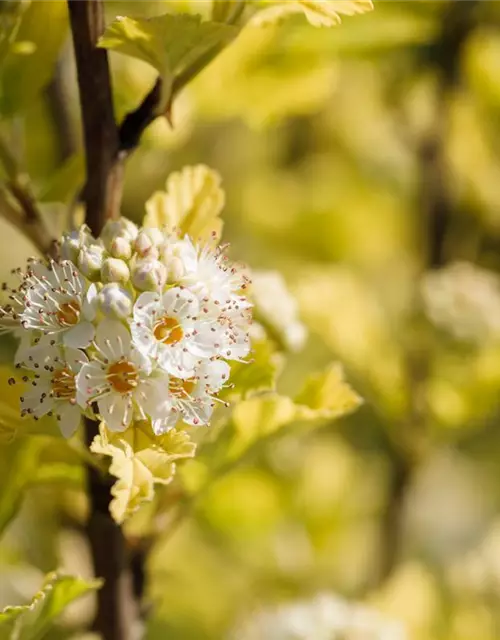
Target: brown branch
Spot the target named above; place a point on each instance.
(116, 604)
(104, 174)
(438, 209)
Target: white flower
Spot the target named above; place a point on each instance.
(326, 617)
(465, 300)
(175, 330)
(52, 386)
(121, 380)
(58, 303)
(193, 399)
(278, 309)
(209, 273)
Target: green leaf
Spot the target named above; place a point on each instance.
(327, 395)
(172, 44)
(34, 620)
(29, 64)
(18, 462)
(259, 376)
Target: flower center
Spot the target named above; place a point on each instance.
(123, 376)
(168, 330)
(181, 388)
(63, 384)
(69, 313)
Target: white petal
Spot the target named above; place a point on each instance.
(166, 424)
(153, 397)
(202, 344)
(148, 305)
(144, 340)
(181, 303)
(176, 361)
(116, 411)
(90, 303)
(75, 358)
(79, 336)
(69, 416)
(113, 339)
(90, 377)
(214, 374)
(141, 361)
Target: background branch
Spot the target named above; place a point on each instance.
(438, 209)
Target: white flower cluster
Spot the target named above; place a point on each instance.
(463, 299)
(136, 325)
(326, 617)
(278, 309)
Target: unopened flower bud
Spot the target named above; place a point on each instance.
(115, 270)
(147, 240)
(73, 242)
(90, 261)
(120, 247)
(115, 301)
(118, 228)
(149, 275)
(175, 270)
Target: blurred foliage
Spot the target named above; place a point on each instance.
(320, 137)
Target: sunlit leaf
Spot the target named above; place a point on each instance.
(32, 621)
(140, 459)
(169, 43)
(327, 395)
(192, 203)
(29, 64)
(259, 376)
(320, 13)
(324, 396)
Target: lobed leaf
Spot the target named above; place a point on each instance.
(32, 621)
(192, 203)
(324, 396)
(140, 459)
(170, 43)
(319, 13)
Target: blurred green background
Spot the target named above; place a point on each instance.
(355, 160)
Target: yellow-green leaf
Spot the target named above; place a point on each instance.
(327, 395)
(259, 376)
(140, 459)
(29, 64)
(171, 43)
(33, 621)
(320, 13)
(192, 203)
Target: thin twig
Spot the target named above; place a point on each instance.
(28, 219)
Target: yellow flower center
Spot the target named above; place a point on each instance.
(69, 313)
(181, 388)
(123, 376)
(168, 330)
(63, 384)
